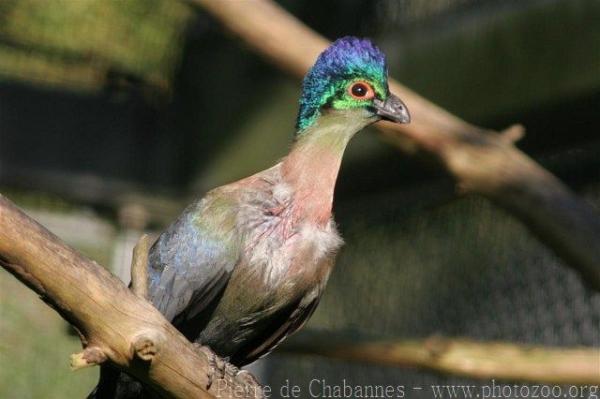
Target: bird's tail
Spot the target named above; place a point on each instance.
(115, 384)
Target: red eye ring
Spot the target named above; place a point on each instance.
(361, 90)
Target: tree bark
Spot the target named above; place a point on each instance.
(114, 323)
(480, 161)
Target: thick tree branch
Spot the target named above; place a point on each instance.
(463, 357)
(480, 161)
(114, 324)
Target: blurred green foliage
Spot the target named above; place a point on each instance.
(74, 43)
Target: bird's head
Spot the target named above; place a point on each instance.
(349, 76)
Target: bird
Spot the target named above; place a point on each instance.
(244, 266)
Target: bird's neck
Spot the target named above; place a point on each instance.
(311, 168)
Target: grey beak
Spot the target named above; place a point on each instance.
(392, 109)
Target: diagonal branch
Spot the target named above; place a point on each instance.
(480, 161)
(114, 324)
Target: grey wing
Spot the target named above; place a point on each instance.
(286, 322)
(189, 265)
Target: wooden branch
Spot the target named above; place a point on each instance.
(480, 161)
(139, 267)
(91, 356)
(462, 357)
(114, 324)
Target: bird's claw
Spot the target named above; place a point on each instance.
(230, 371)
(213, 365)
(219, 368)
(247, 378)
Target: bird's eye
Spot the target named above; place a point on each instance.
(361, 91)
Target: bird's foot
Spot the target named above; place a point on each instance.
(218, 368)
(229, 370)
(247, 378)
(213, 366)
(221, 369)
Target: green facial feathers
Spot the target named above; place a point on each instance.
(347, 60)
